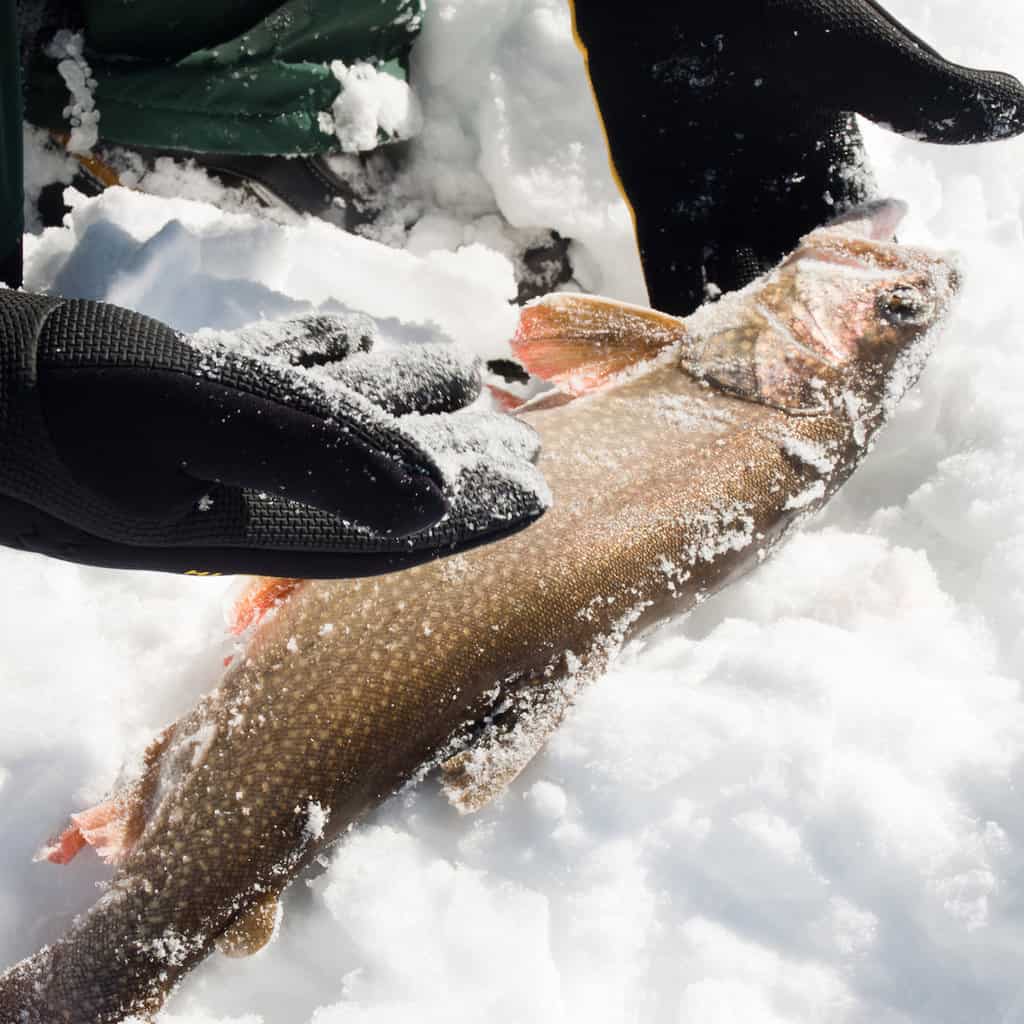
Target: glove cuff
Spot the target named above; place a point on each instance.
(22, 318)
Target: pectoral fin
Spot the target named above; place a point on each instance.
(505, 400)
(253, 930)
(473, 778)
(580, 342)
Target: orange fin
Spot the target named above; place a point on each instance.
(553, 399)
(64, 848)
(105, 828)
(506, 401)
(264, 593)
(113, 826)
(580, 342)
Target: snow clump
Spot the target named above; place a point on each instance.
(68, 49)
(372, 107)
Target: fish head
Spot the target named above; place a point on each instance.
(841, 327)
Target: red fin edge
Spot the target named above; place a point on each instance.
(264, 593)
(103, 827)
(507, 401)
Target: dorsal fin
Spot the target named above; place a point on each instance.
(579, 342)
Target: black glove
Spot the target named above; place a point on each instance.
(286, 449)
(730, 122)
(10, 264)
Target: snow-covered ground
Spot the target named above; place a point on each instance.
(802, 803)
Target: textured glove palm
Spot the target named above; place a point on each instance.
(731, 123)
(285, 450)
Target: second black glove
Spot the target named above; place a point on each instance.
(730, 123)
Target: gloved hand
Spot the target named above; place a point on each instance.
(287, 449)
(730, 123)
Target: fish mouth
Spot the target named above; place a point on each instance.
(851, 289)
(864, 240)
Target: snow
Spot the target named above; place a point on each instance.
(799, 804)
(83, 117)
(371, 105)
(234, 268)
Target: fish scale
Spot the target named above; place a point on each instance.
(666, 486)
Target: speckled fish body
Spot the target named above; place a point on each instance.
(668, 481)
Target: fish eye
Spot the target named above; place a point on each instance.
(903, 305)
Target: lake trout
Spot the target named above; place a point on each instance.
(678, 453)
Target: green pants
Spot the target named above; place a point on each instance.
(224, 76)
(11, 224)
(247, 77)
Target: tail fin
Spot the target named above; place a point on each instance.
(580, 342)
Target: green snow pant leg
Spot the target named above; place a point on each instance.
(234, 32)
(258, 109)
(11, 159)
(194, 89)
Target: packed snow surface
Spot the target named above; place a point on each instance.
(800, 804)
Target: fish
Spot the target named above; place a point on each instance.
(679, 453)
